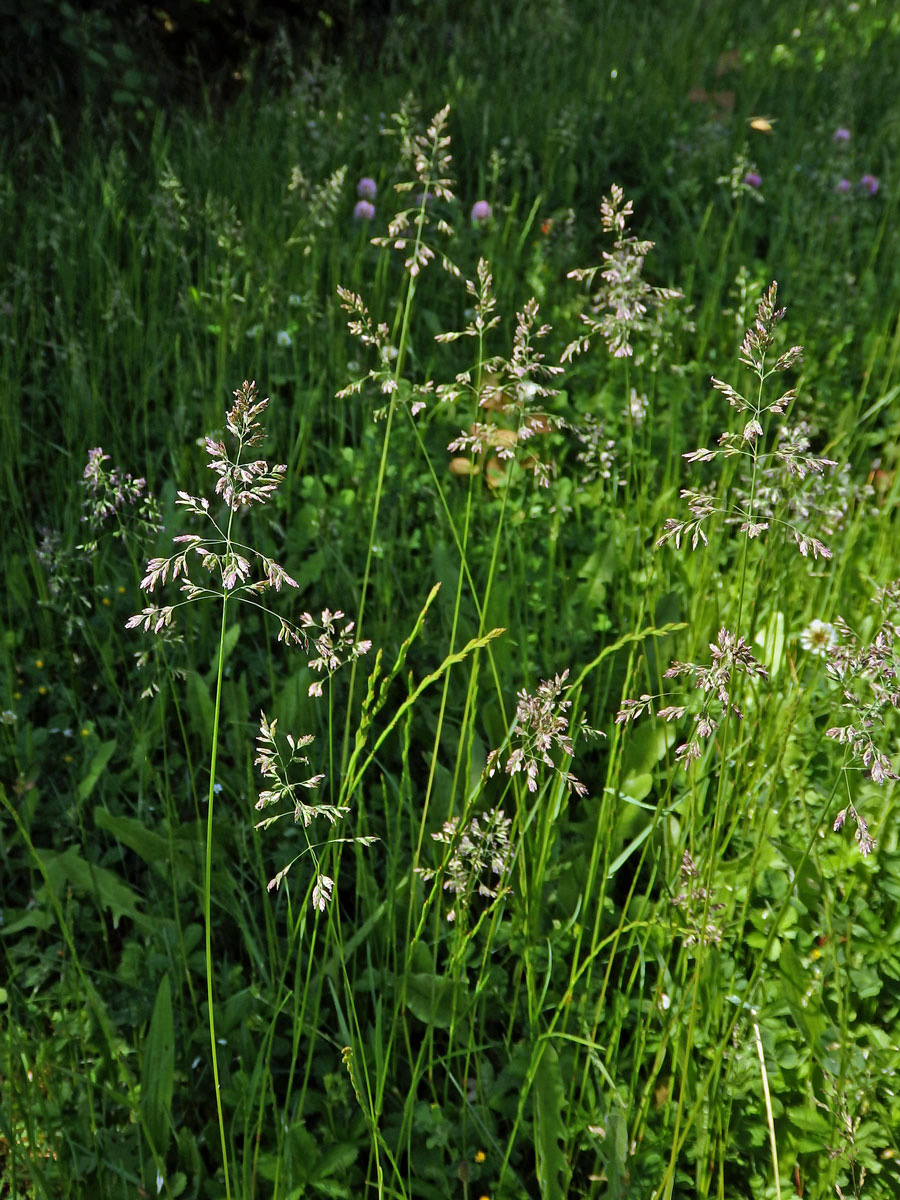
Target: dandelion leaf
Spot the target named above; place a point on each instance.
(436, 1000)
(108, 889)
(550, 1128)
(154, 848)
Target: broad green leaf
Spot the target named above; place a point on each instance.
(158, 1069)
(32, 918)
(109, 890)
(434, 999)
(101, 757)
(806, 877)
(200, 705)
(232, 635)
(311, 569)
(813, 1129)
(794, 977)
(770, 640)
(615, 1152)
(152, 847)
(550, 1128)
(335, 1158)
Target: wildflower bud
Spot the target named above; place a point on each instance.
(870, 184)
(367, 189)
(481, 211)
(363, 211)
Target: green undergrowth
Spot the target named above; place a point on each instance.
(491, 792)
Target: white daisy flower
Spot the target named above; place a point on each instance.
(818, 638)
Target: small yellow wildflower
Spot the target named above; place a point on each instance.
(106, 601)
(42, 691)
(120, 590)
(39, 663)
(480, 1156)
(85, 732)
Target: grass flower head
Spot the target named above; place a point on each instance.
(730, 656)
(541, 725)
(759, 498)
(479, 850)
(241, 483)
(111, 496)
(427, 158)
(621, 305)
(743, 179)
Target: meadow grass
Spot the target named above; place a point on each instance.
(490, 791)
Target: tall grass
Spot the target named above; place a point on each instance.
(509, 945)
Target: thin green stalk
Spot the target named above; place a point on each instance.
(207, 882)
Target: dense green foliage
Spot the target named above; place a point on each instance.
(126, 58)
(536, 938)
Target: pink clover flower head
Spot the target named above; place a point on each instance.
(481, 211)
(843, 186)
(367, 189)
(841, 135)
(870, 183)
(753, 179)
(364, 210)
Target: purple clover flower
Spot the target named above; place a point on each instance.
(870, 183)
(753, 179)
(481, 211)
(841, 135)
(363, 211)
(367, 189)
(843, 186)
